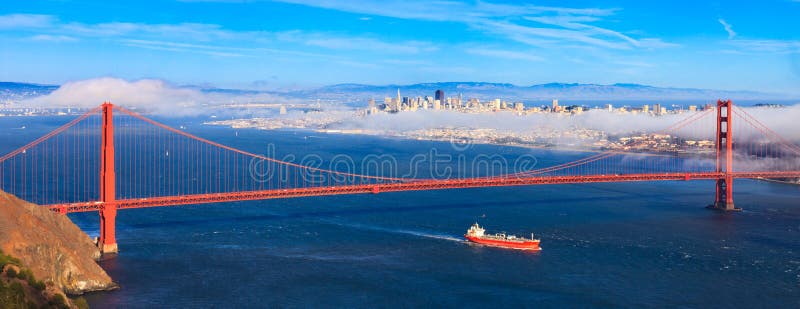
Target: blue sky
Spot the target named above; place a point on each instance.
(732, 45)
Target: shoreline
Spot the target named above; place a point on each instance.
(589, 150)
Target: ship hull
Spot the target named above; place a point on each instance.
(523, 245)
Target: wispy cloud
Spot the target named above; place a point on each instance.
(444, 10)
(184, 47)
(183, 31)
(504, 54)
(209, 39)
(767, 46)
(53, 38)
(21, 21)
(407, 62)
(358, 64)
(333, 41)
(637, 64)
(527, 24)
(225, 51)
(728, 28)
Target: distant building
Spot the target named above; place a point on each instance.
(645, 108)
(371, 103)
(439, 95)
(555, 107)
(519, 106)
(609, 107)
(657, 109)
(437, 104)
(496, 104)
(283, 110)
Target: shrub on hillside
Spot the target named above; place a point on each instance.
(37, 284)
(6, 260)
(26, 274)
(12, 296)
(58, 301)
(81, 303)
(11, 273)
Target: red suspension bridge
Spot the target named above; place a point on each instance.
(143, 163)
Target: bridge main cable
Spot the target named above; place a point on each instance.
(51, 134)
(246, 153)
(606, 154)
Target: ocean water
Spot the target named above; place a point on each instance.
(646, 244)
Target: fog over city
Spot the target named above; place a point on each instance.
(150, 95)
(167, 99)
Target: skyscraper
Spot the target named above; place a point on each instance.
(439, 95)
(398, 96)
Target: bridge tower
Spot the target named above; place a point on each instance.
(724, 194)
(108, 213)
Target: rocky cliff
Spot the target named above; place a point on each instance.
(53, 247)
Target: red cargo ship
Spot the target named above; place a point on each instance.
(477, 234)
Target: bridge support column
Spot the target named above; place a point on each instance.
(107, 241)
(724, 194)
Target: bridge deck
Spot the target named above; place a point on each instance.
(405, 186)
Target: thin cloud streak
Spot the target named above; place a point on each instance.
(175, 47)
(22, 21)
(457, 11)
(53, 38)
(570, 24)
(504, 54)
(728, 28)
(331, 41)
(184, 37)
(767, 46)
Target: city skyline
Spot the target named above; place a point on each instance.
(285, 44)
(473, 104)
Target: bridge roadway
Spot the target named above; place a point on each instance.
(415, 185)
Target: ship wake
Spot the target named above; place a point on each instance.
(423, 234)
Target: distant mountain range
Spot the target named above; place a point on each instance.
(543, 92)
(19, 91)
(352, 93)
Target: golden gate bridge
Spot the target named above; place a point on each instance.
(112, 158)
